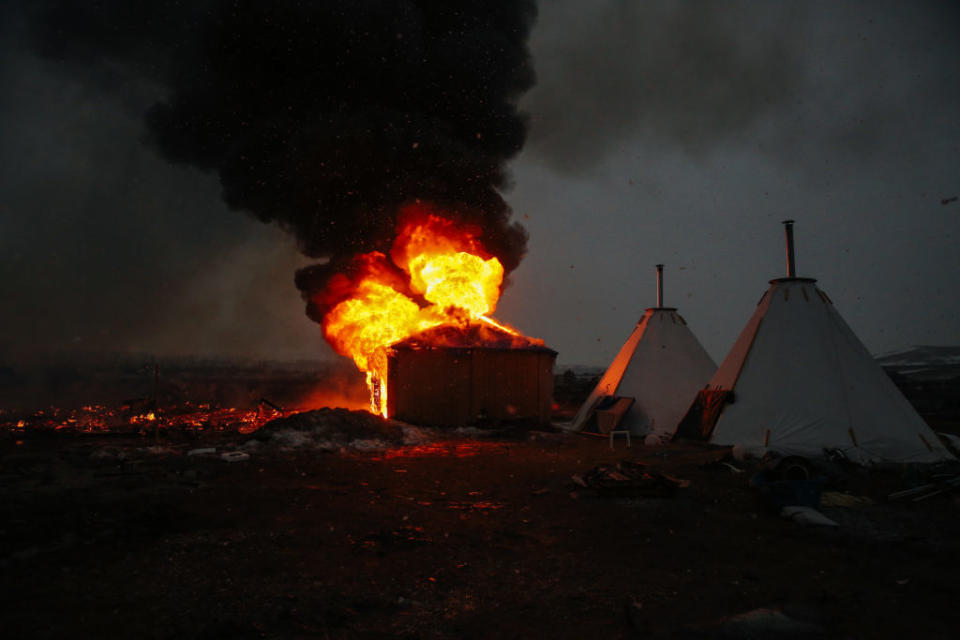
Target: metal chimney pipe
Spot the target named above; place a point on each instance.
(659, 285)
(791, 263)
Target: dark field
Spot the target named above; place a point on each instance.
(484, 538)
(109, 529)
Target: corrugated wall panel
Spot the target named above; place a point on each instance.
(430, 387)
(455, 386)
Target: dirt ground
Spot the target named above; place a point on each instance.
(104, 537)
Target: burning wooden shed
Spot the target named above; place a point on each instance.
(474, 375)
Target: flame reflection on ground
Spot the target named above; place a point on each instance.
(443, 449)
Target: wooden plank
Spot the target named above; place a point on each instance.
(608, 419)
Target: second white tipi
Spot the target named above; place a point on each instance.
(660, 367)
(799, 382)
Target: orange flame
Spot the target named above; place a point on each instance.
(460, 280)
(443, 263)
(377, 315)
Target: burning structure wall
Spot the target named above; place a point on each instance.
(469, 374)
(455, 386)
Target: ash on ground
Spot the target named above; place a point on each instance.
(336, 429)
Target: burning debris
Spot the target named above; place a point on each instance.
(186, 398)
(126, 419)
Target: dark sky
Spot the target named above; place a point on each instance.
(674, 132)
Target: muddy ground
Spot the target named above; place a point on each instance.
(105, 537)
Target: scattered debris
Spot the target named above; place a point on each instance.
(941, 484)
(807, 515)
(775, 623)
(234, 456)
(628, 479)
(272, 405)
(839, 499)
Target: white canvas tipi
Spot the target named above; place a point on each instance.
(798, 381)
(661, 367)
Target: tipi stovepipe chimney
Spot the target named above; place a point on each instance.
(791, 264)
(659, 285)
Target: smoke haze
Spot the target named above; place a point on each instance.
(676, 74)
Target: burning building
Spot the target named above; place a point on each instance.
(470, 375)
(416, 322)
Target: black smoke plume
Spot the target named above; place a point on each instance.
(323, 117)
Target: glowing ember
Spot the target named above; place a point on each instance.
(438, 274)
(104, 419)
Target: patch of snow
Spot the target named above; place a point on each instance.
(470, 431)
(290, 439)
(161, 451)
(414, 435)
(108, 453)
(369, 445)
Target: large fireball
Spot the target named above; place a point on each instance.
(447, 278)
